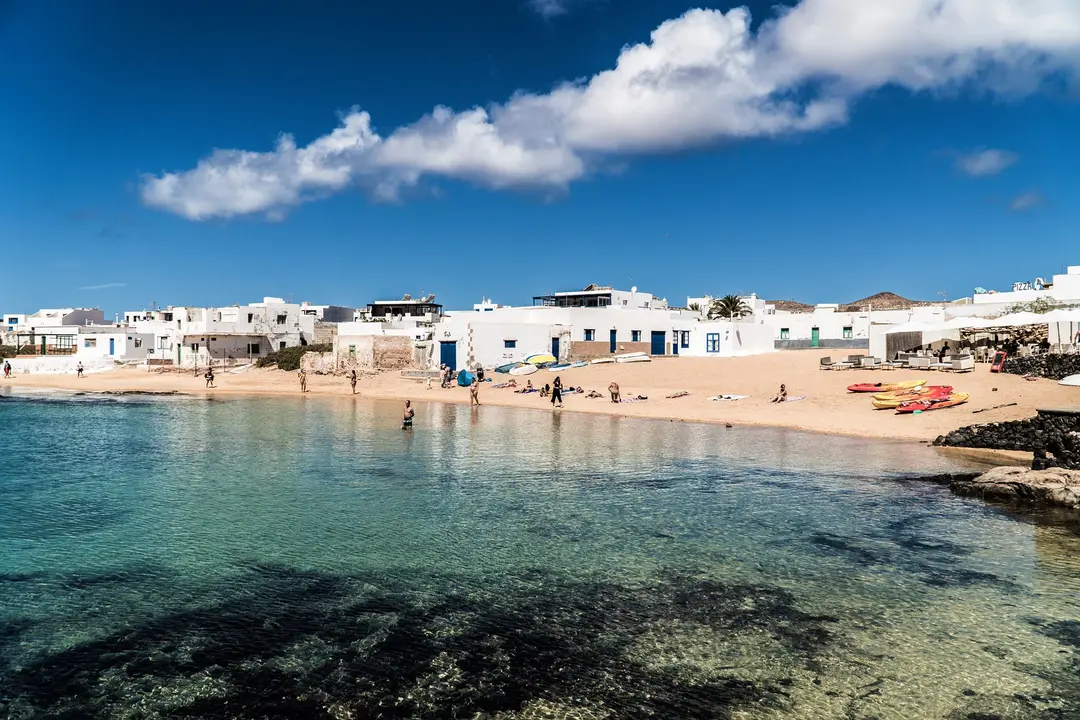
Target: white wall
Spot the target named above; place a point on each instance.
(58, 365)
(733, 339)
(127, 345)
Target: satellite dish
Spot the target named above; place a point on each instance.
(633, 289)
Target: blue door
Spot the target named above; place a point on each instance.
(112, 346)
(659, 342)
(612, 341)
(675, 345)
(555, 347)
(448, 354)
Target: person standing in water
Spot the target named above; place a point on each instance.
(209, 377)
(352, 380)
(406, 423)
(556, 392)
(303, 380)
(474, 393)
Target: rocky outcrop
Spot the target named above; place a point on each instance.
(1052, 365)
(1055, 486)
(1052, 436)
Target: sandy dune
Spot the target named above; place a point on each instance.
(827, 408)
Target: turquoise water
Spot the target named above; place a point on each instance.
(165, 557)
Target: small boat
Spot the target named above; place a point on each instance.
(888, 401)
(541, 359)
(558, 367)
(507, 367)
(632, 357)
(580, 363)
(602, 361)
(914, 393)
(927, 404)
(465, 378)
(885, 387)
(1071, 381)
(524, 370)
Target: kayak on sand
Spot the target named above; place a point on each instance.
(884, 387)
(927, 404)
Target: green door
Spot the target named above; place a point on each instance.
(815, 337)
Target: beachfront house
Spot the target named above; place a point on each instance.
(192, 336)
(389, 334)
(593, 323)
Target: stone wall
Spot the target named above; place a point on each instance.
(1052, 436)
(1051, 365)
(375, 352)
(581, 350)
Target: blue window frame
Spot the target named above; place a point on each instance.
(684, 338)
(590, 335)
(712, 342)
(635, 336)
(509, 344)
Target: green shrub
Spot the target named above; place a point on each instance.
(8, 351)
(289, 358)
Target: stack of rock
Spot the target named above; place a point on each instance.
(1051, 365)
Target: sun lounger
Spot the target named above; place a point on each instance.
(869, 363)
(963, 363)
(826, 364)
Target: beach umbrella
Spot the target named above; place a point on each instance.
(965, 323)
(910, 327)
(1019, 319)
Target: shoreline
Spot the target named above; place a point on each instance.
(828, 408)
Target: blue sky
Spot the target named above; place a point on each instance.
(819, 155)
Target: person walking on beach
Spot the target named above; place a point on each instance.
(406, 423)
(613, 388)
(352, 380)
(556, 392)
(7, 369)
(474, 394)
(79, 370)
(303, 380)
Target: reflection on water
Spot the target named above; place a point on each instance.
(307, 558)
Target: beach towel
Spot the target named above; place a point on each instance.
(714, 398)
(795, 398)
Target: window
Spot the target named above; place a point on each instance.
(509, 344)
(281, 345)
(352, 351)
(684, 338)
(785, 333)
(13, 321)
(251, 317)
(253, 348)
(847, 333)
(194, 347)
(138, 342)
(590, 335)
(90, 343)
(635, 336)
(712, 342)
(281, 319)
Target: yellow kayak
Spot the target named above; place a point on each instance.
(886, 401)
(884, 387)
(542, 359)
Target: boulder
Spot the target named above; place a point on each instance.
(1054, 486)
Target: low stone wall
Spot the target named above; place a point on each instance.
(824, 344)
(581, 350)
(1051, 365)
(1053, 436)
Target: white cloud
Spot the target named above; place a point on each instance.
(1027, 201)
(702, 78)
(983, 163)
(104, 286)
(548, 8)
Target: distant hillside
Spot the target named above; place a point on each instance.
(882, 301)
(791, 306)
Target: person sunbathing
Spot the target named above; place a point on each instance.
(528, 387)
(594, 394)
(681, 393)
(780, 396)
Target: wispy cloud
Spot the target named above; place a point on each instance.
(986, 162)
(1027, 201)
(103, 286)
(703, 78)
(548, 8)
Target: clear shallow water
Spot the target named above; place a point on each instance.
(168, 557)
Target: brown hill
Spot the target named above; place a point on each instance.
(791, 306)
(882, 301)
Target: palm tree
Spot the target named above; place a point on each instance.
(694, 307)
(729, 306)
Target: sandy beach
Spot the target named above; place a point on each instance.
(828, 407)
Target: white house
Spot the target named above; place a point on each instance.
(191, 336)
(1061, 289)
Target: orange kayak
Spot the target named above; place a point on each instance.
(927, 404)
